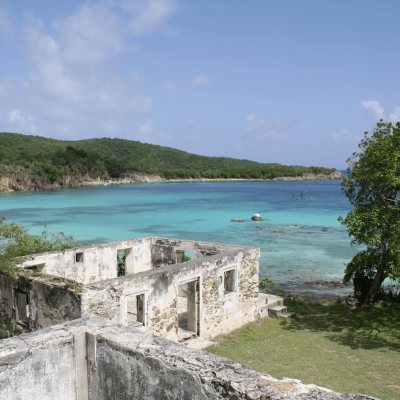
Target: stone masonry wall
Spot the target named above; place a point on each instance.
(223, 313)
(100, 360)
(218, 313)
(50, 302)
(99, 262)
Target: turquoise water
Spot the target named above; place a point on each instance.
(203, 211)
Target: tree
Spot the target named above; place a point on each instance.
(373, 187)
(15, 243)
(266, 284)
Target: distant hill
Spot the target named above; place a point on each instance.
(33, 157)
(141, 155)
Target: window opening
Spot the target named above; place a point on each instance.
(22, 307)
(121, 262)
(188, 310)
(35, 268)
(135, 310)
(79, 257)
(229, 281)
(125, 262)
(188, 256)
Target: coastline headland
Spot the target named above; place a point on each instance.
(23, 182)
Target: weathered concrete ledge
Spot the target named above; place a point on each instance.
(97, 359)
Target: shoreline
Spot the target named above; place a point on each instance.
(25, 184)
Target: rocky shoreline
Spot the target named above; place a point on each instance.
(336, 175)
(19, 182)
(22, 182)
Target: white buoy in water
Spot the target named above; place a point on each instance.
(256, 217)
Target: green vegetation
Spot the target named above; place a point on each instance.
(373, 189)
(266, 284)
(37, 156)
(13, 331)
(328, 344)
(121, 263)
(15, 242)
(186, 258)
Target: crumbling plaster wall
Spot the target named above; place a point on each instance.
(100, 360)
(50, 302)
(99, 261)
(38, 366)
(218, 312)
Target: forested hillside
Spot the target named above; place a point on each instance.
(112, 158)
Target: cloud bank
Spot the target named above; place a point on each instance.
(74, 86)
(375, 110)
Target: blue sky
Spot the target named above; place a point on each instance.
(293, 82)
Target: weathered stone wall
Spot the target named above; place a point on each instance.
(200, 249)
(99, 360)
(50, 302)
(38, 366)
(106, 295)
(222, 312)
(99, 261)
(218, 312)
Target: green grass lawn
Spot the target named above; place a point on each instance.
(355, 351)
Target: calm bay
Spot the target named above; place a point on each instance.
(295, 248)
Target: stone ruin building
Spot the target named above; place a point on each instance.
(212, 294)
(87, 333)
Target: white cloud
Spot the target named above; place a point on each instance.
(149, 14)
(344, 137)
(90, 35)
(395, 115)
(187, 135)
(260, 131)
(75, 88)
(5, 24)
(169, 87)
(65, 84)
(147, 127)
(200, 82)
(22, 120)
(375, 110)
(6, 88)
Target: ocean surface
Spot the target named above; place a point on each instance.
(203, 211)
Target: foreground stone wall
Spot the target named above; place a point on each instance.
(100, 360)
(38, 366)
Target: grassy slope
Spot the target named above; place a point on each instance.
(118, 149)
(324, 344)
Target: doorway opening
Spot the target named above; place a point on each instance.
(22, 307)
(124, 262)
(135, 310)
(188, 309)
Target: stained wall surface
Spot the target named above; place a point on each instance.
(38, 366)
(100, 360)
(93, 263)
(218, 311)
(48, 303)
(155, 272)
